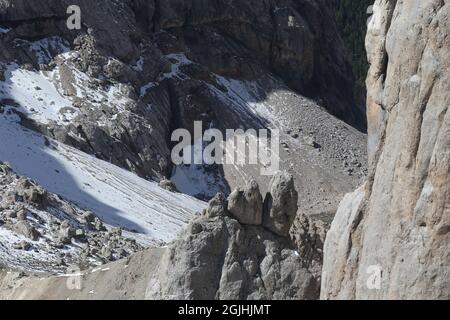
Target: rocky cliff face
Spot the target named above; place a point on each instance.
(137, 70)
(236, 40)
(117, 88)
(390, 238)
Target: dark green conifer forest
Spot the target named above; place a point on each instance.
(352, 17)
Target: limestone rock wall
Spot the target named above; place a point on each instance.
(390, 239)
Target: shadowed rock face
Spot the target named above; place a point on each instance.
(390, 239)
(288, 37)
(138, 70)
(230, 38)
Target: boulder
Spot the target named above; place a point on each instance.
(217, 206)
(37, 196)
(66, 233)
(22, 214)
(280, 205)
(168, 185)
(246, 204)
(88, 217)
(23, 245)
(25, 229)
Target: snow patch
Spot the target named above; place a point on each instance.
(47, 48)
(4, 30)
(148, 213)
(35, 95)
(178, 60)
(245, 96)
(139, 64)
(33, 259)
(93, 90)
(198, 181)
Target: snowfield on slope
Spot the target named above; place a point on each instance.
(145, 211)
(35, 94)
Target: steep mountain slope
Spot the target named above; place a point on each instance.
(390, 238)
(42, 232)
(119, 94)
(147, 213)
(118, 197)
(109, 96)
(86, 112)
(324, 154)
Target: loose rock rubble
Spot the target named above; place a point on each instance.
(127, 89)
(61, 232)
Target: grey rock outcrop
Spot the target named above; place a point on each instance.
(227, 260)
(217, 206)
(390, 238)
(220, 258)
(26, 229)
(309, 234)
(280, 205)
(246, 204)
(228, 254)
(215, 257)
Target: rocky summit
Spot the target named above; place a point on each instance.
(211, 149)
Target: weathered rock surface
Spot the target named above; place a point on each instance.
(280, 205)
(246, 204)
(217, 206)
(390, 239)
(137, 70)
(220, 258)
(308, 234)
(224, 258)
(216, 257)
